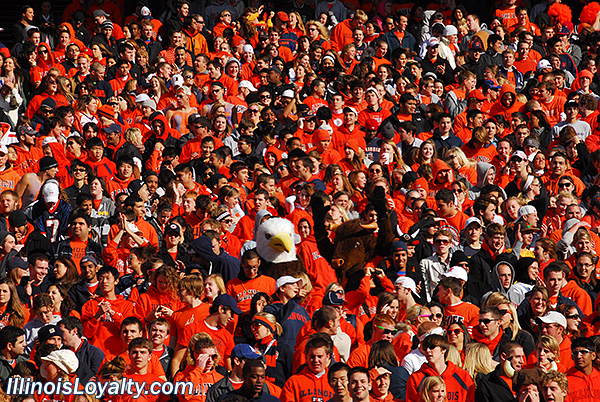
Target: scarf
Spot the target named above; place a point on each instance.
(490, 343)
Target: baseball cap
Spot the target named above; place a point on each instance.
(349, 109)
(332, 299)
(88, 258)
(554, 317)
(399, 245)
(371, 124)
(491, 84)
(450, 30)
(227, 301)
(477, 94)
(406, 283)
(473, 219)
(286, 280)
(543, 64)
(100, 13)
(283, 17)
(519, 154)
(141, 98)
(564, 31)
(145, 13)
(476, 45)
(245, 351)
(113, 128)
(17, 218)
(526, 210)
(432, 42)
(288, 93)
(3, 149)
(248, 84)
(16, 262)
(173, 228)
(531, 142)
(457, 272)
(51, 192)
(151, 103)
(527, 228)
(135, 186)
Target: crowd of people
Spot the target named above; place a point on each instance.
(144, 145)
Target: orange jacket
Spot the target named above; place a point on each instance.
(202, 382)
(459, 383)
(306, 387)
(583, 388)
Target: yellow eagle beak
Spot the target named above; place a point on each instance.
(281, 242)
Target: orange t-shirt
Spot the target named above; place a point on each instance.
(222, 338)
(187, 316)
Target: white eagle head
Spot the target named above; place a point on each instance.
(276, 240)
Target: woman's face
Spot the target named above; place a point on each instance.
(232, 70)
(260, 304)
(133, 261)
(349, 152)
(361, 180)
(436, 315)
(260, 331)
(293, 20)
(427, 151)
(323, 18)
(4, 294)
(544, 355)
(9, 65)
(455, 335)
(55, 295)
(220, 124)
(304, 229)
(512, 209)
(382, 73)
(583, 245)
(343, 201)
(313, 32)
(48, 370)
(539, 161)
(459, 192)
(96, 52)
(438, 89)
(211, 290)
(538, 304)
(533, 271)
(573, 320)
(304, 198)
(437, 393)
(506, 318)
(394, 307)
(60, 269)
(162, 284)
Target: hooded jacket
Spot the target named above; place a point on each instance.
(223, 264)
(499, 108)
(482, 171)
(438, 166)
(459, 383)
(511, 294)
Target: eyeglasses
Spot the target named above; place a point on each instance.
(387, 331)
(375, 170)
(442, 241)
(573, 317)
(486, 321)
(197, 126)
(578, 352)
(188, 76)
(455, 331)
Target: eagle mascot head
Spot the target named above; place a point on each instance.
(276, 241)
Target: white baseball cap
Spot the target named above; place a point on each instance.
(51, 192)
(457, 272)
(473, 219)
(406, 283)
(247, 84)
(554, 317)
(141, 97)
(287, 280)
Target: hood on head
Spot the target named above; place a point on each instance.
(438, 166)
(482, 170)
(496, 285)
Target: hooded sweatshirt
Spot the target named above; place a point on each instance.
(511, 294)
(499, 108)
(459, 383)
(223, 264)
(438, 166)
(482, 171)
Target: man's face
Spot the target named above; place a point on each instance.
(88, 270)
(360, 386)
(517, 358)
(129, 333)
(558, 165)
(582, 357)
(445, 125)
(554, 330)
(107, 282)
(18, 348)
(505, 275)
(444, 176)
(317, 359)
(552, 392)
(158, 334)
(140, 357)
(384, 332)
(255, 379)
(554, 281)
(251, 267)
(80, 228)
(445, 209)
(339, 383)
(39, 270)
(496, 242)
(488, 325)
(8, 204)
(400, 258)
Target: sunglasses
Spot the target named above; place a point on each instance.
(375, 170)
(583, 352)
(458, 191)
(254, 111)
(486, 321)
(573, 317)
(442, 241)
(43, 52)
(213, 357)
(430, 347)
(265, 97)
(503, 312)
(564, 185)
(455, 331)
(387, 331)
(78, 170)
(226, 221)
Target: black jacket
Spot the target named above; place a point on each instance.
(223, 387)
(492, 388)
(90, 355)
(80, 294)
(481, 265)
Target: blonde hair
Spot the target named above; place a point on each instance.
(219, 281)
(464, 161)
(551, 344)
(494, 300)
(478, 359)
(306, 285)
(428, 385)
(133, 136)
(271, 318)
(453, 355)
(322, 30)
